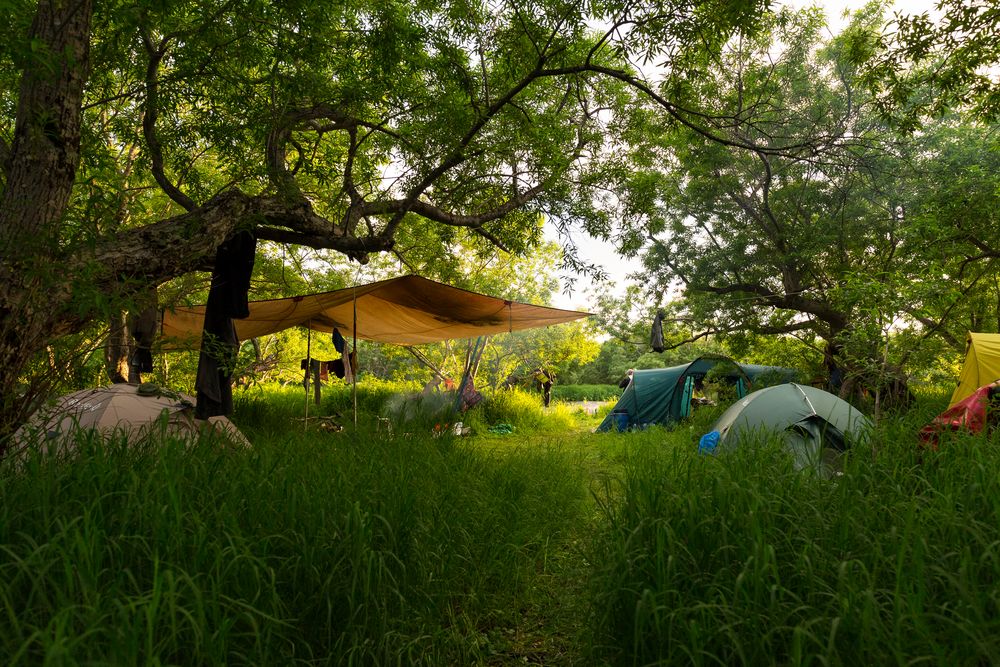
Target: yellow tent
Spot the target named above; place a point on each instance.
(405, 311)
(981, 367)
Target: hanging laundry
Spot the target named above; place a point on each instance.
(350, 367)
(227, 298)
(338, 341)
(656, 338)
(143, 326)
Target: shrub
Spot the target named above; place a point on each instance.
(586, 392)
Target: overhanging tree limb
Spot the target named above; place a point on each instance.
(155, 53)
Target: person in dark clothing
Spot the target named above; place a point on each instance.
(227, 299)
(627, 380)
(830, 361)
(545, 380)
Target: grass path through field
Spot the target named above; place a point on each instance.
(553, 625)
(550, 625)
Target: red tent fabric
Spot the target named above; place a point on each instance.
(970, 414)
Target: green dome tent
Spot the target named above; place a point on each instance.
(816, 425)
(663, 395)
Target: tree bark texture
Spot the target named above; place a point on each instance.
(42, 166)
(45, 151)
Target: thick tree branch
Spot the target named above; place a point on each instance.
(275, 149)
(937, 327)
(162, 250)
(457, 154)
(934, 327)
(357, 200)
(679, 113)
(151, 110)
(764, 330)
(788, 301)
(437, 214)
(357, 248)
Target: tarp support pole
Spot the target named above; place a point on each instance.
(354, 375)
(305, 422)
(476, 351)
(419, 356)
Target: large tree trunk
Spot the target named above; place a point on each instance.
(44, 155)
(46, 147)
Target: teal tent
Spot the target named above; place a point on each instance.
(816, 426)
(663, 395)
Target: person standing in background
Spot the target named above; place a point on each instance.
(545, 380)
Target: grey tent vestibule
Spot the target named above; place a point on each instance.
(663, 395)
(816, 426)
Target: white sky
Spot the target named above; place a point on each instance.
(599, 252)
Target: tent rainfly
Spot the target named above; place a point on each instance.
(816, 426)
(409, 310)
(981, 367)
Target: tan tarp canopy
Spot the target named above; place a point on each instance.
(981, 367)
(405, 311)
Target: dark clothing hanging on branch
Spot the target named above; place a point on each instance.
(143, 326)
(656, 338)
(339, 366)
(227, 299)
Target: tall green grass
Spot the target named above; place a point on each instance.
(741, 559)
(365, 547)
(330, 548)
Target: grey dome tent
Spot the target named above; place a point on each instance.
(663, 395)
(816, 425)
